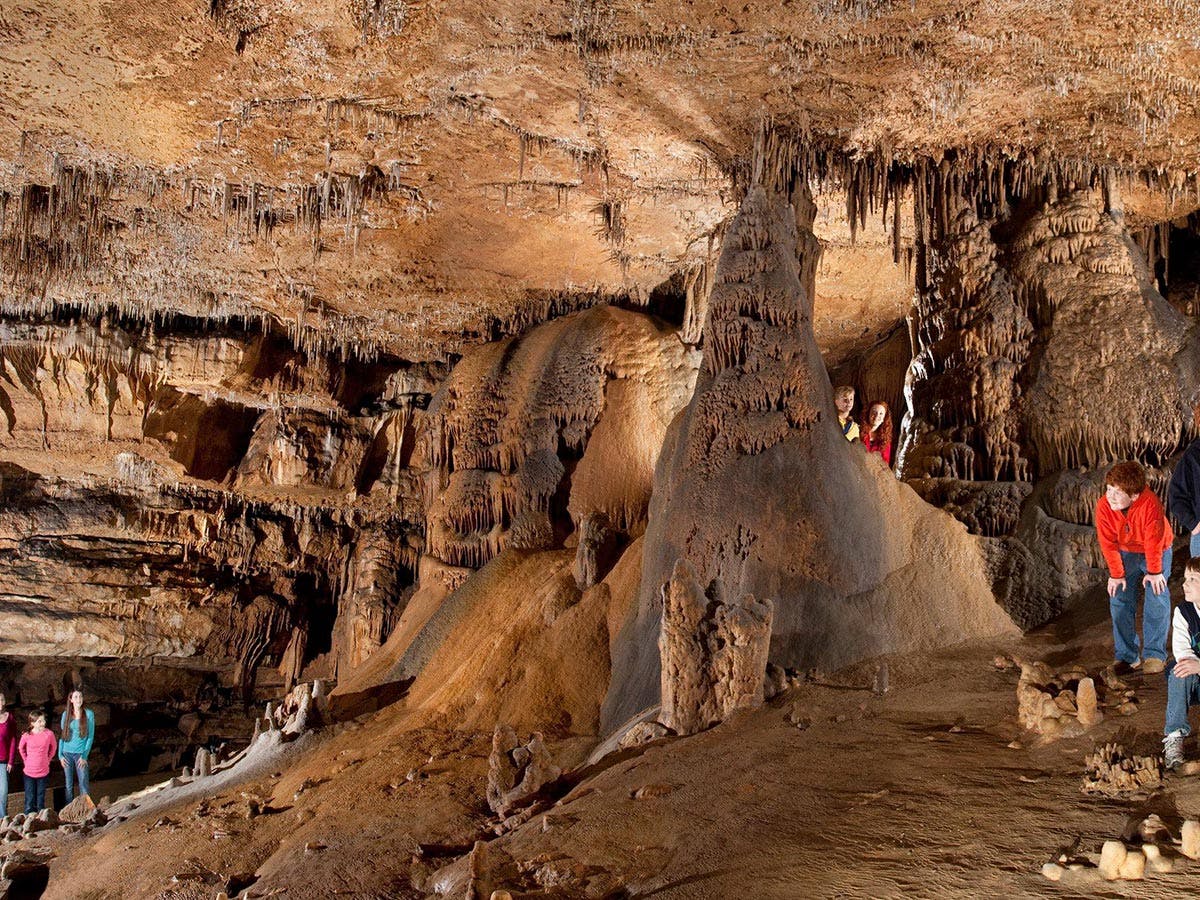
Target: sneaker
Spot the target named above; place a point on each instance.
(1151, 665)
(1173, 751)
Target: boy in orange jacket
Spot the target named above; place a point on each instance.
(1135, 538)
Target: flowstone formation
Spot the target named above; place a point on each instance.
(531, 437)
(760, 494)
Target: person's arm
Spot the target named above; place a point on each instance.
(887, 454)
(1181, 493)
(1106, 534)
(23, 748)
(53, 746)
(91, 726)
(1151, 528)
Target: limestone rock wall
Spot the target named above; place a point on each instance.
(200, 496)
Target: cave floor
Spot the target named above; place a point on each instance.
(913, 793)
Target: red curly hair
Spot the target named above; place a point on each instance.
(1128, 476)
(885, 428)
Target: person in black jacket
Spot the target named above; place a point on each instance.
(1183, 494)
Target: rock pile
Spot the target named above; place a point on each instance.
(1068, 703)
(1113, 772)
(517, 772)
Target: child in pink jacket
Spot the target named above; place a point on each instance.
(37, 748)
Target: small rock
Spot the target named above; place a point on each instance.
(1002, 663)
(1086, 702)
(501, 895)
(1128, 708)
(775, 682)
(1015, 745)
(1190, 839)
(1155, 860)
(1066, 702)
(78, 809)
(1192, 767)
(1134, 866)
(314, 847)
(642, 733)
(649, 791)
(1153, 829)
(1112, 857)
(1053, 871)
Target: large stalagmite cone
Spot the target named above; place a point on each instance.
(1086, 703)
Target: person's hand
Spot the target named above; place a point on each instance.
(1156, 583)
(63, 762)
(1187, 666)
(1114, 585)
(9, 767)
(1196, 530)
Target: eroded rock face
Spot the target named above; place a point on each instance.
(758, 491)
(208, 497)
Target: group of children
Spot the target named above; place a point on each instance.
(875, 429)
(38, 747)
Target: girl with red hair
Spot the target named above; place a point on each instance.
(876, 430)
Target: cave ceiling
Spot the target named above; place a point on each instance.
(412, 177)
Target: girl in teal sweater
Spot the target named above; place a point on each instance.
(78, 732)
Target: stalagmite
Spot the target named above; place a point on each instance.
(203, 767)
(713, 654)
(1085, 699)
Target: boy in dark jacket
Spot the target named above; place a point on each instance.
(1183, 494)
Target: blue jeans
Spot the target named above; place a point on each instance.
(1181, 693)
(1194, 544)
(35, 793)
(76, 765)
(1156, 612)
(3, 789)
